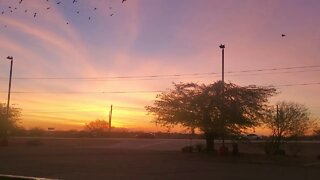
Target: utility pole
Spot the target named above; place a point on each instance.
(278, 120)
(222, 46)
(4, 141)
(9, 91)
(110, 118)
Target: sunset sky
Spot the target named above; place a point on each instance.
(69, 68)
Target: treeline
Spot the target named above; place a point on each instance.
(124, 133)
(115, 133)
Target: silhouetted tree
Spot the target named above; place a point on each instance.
(287, 119)
(97, 127)
(203, 107)
(8, 122)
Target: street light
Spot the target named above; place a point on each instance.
(9, 91)
(4, 141)
(222, 46)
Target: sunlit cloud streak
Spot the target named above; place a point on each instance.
(144, 37)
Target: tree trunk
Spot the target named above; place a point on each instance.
(209, 142)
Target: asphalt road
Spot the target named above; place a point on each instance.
(67, 158)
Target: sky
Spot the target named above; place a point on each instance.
(73, 60)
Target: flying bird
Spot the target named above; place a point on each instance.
(48, 8)
(124, 1)
(94, 9)
(89, 18)
(59, 2)
(74, 1)
(78, 12)
(34, 15)
(111, 14)
(20, 1)
(283, 35)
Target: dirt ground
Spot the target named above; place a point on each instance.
(92, 159)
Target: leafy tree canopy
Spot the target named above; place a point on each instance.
(209, 108)
(97, 127)
(288, 119)
(8, 122)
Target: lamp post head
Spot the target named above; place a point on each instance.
(10, 58)
(222, 46)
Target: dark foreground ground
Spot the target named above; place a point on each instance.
(148, 159)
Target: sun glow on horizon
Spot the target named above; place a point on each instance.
(72, 61)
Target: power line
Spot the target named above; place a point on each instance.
(275, 69)
(84, 92)
(274, 73)
(88, 110)
(302, 84)
(149, 77)
(138, 92)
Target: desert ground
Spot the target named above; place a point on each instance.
(88, 158)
